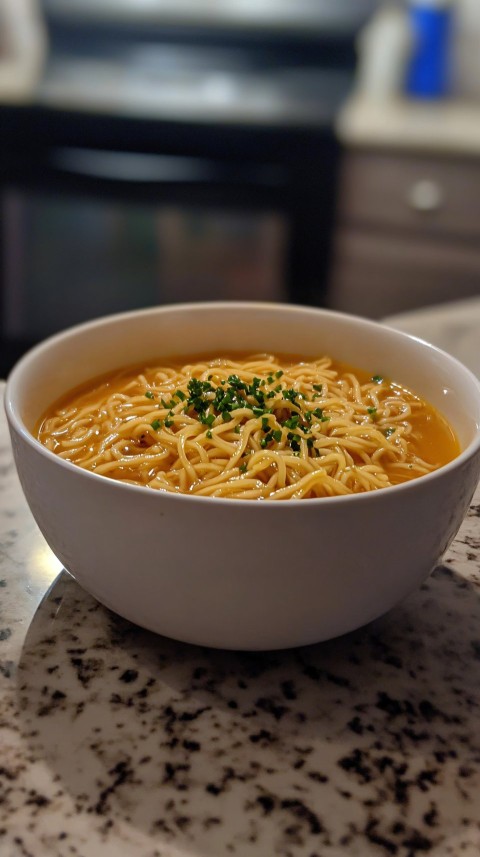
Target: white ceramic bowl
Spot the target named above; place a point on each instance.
(232, 573)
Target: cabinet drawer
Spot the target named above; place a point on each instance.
(430, 196)
(375, 275)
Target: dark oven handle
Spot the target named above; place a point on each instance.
(165, 178)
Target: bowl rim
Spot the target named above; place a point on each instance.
(17, 424)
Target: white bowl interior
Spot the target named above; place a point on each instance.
(82, 353)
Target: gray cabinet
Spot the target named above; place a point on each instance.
(407, 232)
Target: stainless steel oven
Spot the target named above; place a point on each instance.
(169, 156)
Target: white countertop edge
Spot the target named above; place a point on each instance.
(449, 126)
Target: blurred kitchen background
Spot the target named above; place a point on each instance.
(324, 152)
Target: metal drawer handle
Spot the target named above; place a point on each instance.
(425, 196)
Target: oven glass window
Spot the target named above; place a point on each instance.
(70, 259)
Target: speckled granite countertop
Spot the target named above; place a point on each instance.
(117, 742)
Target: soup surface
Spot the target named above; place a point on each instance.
(250, 427)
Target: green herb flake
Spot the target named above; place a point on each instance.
(377, 379)
(372, 412)
(279, 373)
(207, 420)
(318, 387)
(270, 379)
(226, 416)
(290, 396)
(156, 424)
(294, 442)
(265, 423)
(180, 395)
(209, 434)
(293, 421)
(389, 431)
(243, 467)
(168, 422)
(277, 435)
(149, 394)
(237, 429)
(318, 413)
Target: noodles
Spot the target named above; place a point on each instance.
(256, 428)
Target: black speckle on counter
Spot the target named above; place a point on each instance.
(5, 633)
(87, 669)
(267, 803)
(356, 725)
(262, 737)
(303, 812)
(7, 668)
(35, 799)
(192, 746)
(288, 690)
(388, 845)
(416, 844)
(317, 777)
(129, 676)
(272, 707)
(355, 763)
(120, 774)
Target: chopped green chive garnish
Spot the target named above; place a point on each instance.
(290, 396)
(156, 424)
(293, 421)
(243, 467)
(207, 420)
(226, 398)
(372, 412)
(389, 431)
(294, 441)
(149, 394)
(377, 379)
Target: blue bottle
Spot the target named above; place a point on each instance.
(429, 72)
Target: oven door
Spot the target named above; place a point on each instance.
(101, 232)
(102, 215)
